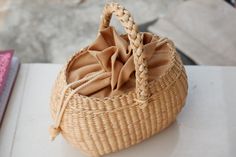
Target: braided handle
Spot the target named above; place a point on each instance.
(136, 44)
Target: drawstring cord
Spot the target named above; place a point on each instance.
(55, 129)
(162, 41)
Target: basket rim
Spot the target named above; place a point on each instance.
(173, 62)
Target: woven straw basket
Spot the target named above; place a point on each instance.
(98, 126)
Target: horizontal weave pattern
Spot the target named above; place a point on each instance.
(101, 126)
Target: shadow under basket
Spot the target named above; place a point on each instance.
(102, 125)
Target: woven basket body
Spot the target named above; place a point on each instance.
(99, 126)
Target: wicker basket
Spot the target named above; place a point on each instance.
(99, 126)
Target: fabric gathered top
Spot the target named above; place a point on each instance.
(106, 67)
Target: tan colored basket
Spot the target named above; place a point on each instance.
(99, 126)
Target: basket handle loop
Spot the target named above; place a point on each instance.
(136, 43)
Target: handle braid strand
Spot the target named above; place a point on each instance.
(136, 44)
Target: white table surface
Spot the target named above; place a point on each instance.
(206, 127)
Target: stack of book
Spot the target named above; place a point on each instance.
(9, 66)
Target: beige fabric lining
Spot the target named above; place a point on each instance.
(111, 56)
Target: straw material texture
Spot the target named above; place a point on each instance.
(98, 126)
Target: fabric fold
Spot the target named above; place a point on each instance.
(111, 56)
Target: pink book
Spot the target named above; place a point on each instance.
(5, 62)
(9, 66)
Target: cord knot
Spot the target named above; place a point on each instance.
(54, 131)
